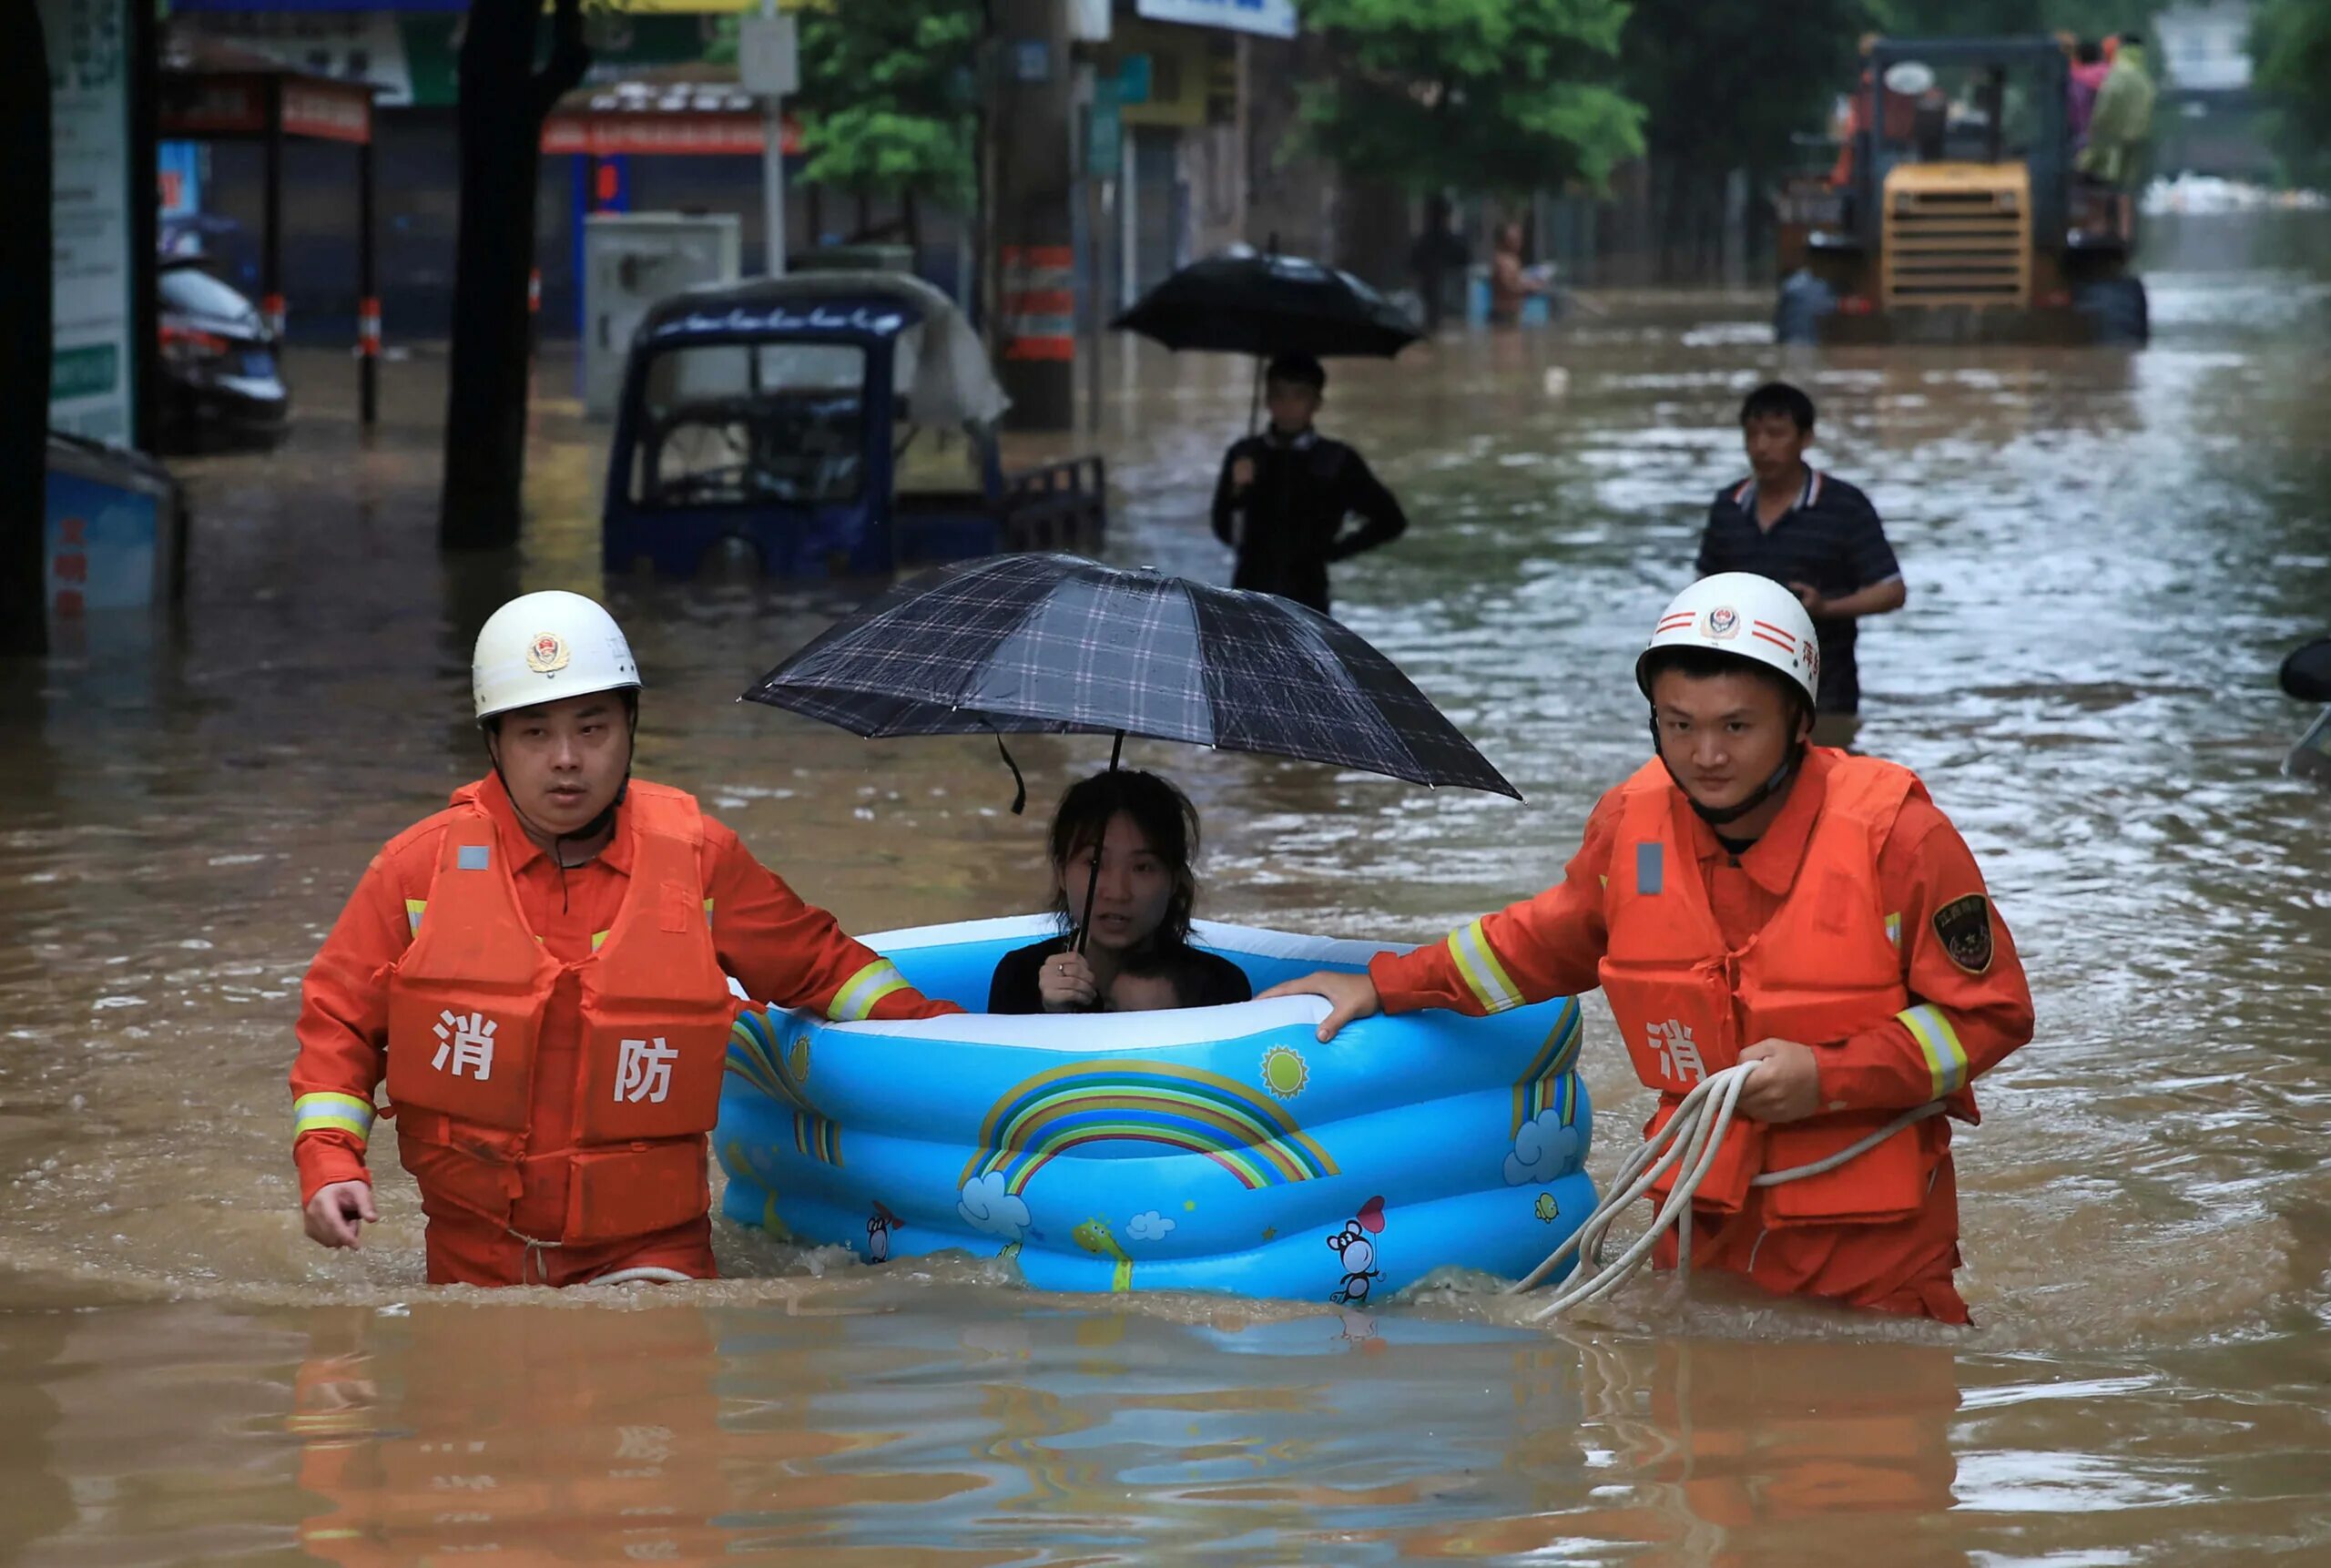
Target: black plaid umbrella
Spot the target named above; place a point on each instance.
(1058, 644)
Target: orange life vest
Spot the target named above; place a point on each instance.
(1821, 971)
(465, 1011)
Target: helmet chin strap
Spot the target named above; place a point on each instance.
(1719, 816)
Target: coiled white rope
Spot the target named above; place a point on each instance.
(646, 1274)
(1689, 1142)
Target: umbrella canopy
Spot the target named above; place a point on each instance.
(1270, 304)
(2306, 673)
(1054, 643)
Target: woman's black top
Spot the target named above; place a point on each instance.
(1211, 981)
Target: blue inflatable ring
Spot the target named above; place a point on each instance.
(1219, 1148)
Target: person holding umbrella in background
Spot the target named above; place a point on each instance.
(1286, 496)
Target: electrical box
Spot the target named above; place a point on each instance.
(115, 551)
(631, 260)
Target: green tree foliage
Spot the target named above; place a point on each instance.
(1489, 95)
(887, 98)
(1727, 86)
(2290, 49)
(887, 88)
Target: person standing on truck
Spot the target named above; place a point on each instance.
(1899, 111)
(1811, 531)
(2120, 125)
(2089, 70)
(1285, 495)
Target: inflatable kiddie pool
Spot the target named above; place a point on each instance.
(1217, 1148)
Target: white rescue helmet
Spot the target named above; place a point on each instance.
(542, 647)
(1746, 615)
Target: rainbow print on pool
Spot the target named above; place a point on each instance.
(1175, 1107)
(1220, 1149)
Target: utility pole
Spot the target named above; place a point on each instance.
(1035, 258)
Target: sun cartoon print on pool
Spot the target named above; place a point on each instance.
(1285, 1073)
(1354, 1246)
(877, 1232)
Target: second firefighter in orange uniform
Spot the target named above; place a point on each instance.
(1748, 897)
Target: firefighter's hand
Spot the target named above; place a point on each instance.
(331, 1214)
(1350, 997)
(1242, 473)
(1787, 1087)
(1067, 984)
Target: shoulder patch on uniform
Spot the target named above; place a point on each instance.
(1964, 926)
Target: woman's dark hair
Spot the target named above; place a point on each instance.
(1166, 820)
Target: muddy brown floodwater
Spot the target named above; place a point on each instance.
(2107, 554)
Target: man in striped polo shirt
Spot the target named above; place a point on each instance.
(1812, 532)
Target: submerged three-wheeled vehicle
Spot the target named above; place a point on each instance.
(832, 424)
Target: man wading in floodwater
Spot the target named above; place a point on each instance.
(1746, 897)
(538, 972)
(1812, 532)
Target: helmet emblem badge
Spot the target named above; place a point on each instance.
(547, 653)
(1724, 621)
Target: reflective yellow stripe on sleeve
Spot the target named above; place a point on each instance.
(332, 1113)
(413, 910)
(1946, 1057)
(1893, 930)
(864, 990)
(1485, 977)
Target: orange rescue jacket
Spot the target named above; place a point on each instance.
(1824, 969)
(465, 1010)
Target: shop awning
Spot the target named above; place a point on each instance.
(680, 112)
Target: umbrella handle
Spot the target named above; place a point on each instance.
(1093, 882)
(1019, 785)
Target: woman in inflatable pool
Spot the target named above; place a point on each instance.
(1146, 834)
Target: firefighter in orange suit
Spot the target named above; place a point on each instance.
(1748, 897)
(539, 972)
